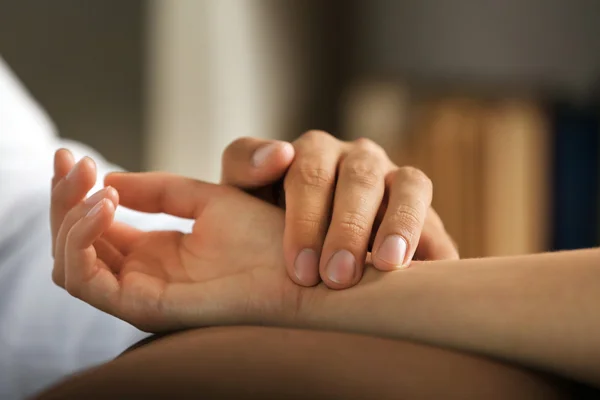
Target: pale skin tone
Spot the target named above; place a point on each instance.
(537, 311)
(380, 201)
(379, 207)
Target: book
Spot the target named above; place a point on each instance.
(489, 161)
(440, 129)
(576, 176)
(516, 177)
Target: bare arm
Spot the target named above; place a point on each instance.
(257, 362)
(537, 310)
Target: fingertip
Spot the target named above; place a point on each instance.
(113, 195)
(83, 173)
(63, 154)
(84, 232)
(305, 269)
(287, 151)
(341, 270)
(88, 165)
(96, 210)
(63, 163)
(273, 154)
(101, 215)
(391, 253)
(109, 207)
(387, 267)
(110, 210)
(113, 179)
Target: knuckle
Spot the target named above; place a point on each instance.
(354, 227)
(309, 224)
(314, 135)
(366, 144)
(361, 172)
(414, 174)
(307, 174)
(407, 219)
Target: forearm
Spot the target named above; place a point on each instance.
(540, 310)
(257, 362)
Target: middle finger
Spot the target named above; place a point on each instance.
(358, 196)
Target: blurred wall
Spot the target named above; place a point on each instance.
(520, 42)
(82, 60)
(164, 84)
(219, 70)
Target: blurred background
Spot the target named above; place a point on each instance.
(495, 100)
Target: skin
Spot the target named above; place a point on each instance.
(538, 311)
(326, 237)
(218, 363)
(152, 277)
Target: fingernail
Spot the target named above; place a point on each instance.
(96, 209)
(74, 170)
(393, 250)
(287, 149)
(306, 266)
(111, 194)
(96, 197)
(262, 154)
(341, 267)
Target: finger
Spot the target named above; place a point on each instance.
(108, 253)
(122, 236)
(157, 192)
(251, 163)
(435, 242)
(358, 196)
(63, 162)
(69, 190)
(86, 277)
(309, 187)
(74, 215)
(400, 230)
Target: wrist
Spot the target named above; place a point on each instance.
(356, 309)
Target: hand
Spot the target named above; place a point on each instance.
(341, 199)
(228, 270)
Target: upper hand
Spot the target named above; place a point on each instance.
(342, 199)
(227, 270)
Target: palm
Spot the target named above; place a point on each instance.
(229, 267)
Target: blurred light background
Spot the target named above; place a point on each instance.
(495, 100)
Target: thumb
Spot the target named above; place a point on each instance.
(250, 163)
(157, 192)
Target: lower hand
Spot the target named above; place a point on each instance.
(342, 199)
(227, 270)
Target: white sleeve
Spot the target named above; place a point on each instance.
(45, 334)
